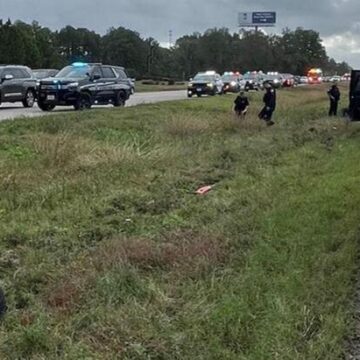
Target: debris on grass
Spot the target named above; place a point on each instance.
(204, 190)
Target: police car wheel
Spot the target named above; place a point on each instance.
(120, 99)
(3, 307)
(83, 103)
(29, 99)
(189, 95)
(45, 107)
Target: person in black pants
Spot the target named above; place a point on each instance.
(269, 105)
(241, 105)
(334, 96)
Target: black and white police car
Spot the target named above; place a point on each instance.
(83, 85)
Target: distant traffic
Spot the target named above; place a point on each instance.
(83, 85)
(212, 83)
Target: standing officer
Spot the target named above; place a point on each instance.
(334, 96)
(269, 104)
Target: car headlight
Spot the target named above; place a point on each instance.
(233, 83)
(190, 85)
(276, 81)
(210, 85)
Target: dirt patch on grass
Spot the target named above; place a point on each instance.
(183, 252)
(185, 126)
(176, 254)
(65, 294)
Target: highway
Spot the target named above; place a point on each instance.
(11, 111)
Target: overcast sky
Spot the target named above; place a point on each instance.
(337, 21)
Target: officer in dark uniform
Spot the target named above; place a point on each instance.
(269, 104)
(241, 105)
(334, 96)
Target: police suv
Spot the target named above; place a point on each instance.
(231, 82)
(82, 85)
(205, 83)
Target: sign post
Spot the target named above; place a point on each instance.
(257, 19)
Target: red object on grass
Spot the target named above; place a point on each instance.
(204, 190)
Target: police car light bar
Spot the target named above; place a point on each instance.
(79, 64)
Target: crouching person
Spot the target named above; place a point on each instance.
(241, 105)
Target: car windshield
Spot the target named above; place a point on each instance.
(272, 77)
(230, 78)
(203, 78)
(41, 74)
(76, 72)
(250, 77)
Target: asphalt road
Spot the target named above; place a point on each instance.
(11, 111)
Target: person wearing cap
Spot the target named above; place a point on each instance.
(269, 100)
(241, 105)
(334, 96)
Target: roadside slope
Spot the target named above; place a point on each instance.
(106, 252)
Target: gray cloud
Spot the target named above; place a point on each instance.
(336, 20)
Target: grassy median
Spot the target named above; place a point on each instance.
(107, 253)
(160, 86)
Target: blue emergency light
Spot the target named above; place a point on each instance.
(79, 64)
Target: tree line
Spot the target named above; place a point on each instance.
(294, 51)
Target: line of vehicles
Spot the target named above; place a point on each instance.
(80, 85)
(83, 85)
(212, 83)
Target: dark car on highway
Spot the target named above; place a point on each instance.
(17, 84)
(288, 80)
(40, 74)
(206, 83)
(275, 80)
(44, 73)
(231, 82)
(122, 74)
(251, 81)
(83, 85)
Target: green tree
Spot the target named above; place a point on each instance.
(125, 48)
(12, 44)
(301, 50)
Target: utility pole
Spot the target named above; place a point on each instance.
(170, 39)
(150, 55)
